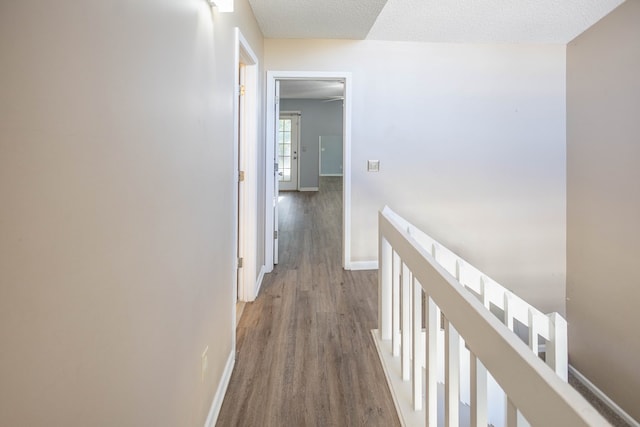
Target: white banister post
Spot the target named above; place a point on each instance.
(458, 269)
(508, 315)
(418, 355)
(385, 277)
(483, 293)
(479, 417)
(405, 298)
(534, 327)
(431, 363)
(395, 312)
(451, 375)
(556, 354)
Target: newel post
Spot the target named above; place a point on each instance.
(385, 272)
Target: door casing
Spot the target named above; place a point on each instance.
(246, 149)
(270, 158)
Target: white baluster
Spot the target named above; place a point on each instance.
(431, 363)
(483, 292)
(418, 355)
(556, 350)
(508, 315)
(406, 323)
(534, 327)
(385, 279)
(395, 315)
(451, 375)
(479, 416)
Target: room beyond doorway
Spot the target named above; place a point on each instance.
(310, 150)
(310, 132)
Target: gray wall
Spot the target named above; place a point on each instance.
(318, 118)
(471, 143)
(116, 181)
(603, 209)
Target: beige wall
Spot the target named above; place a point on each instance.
(471, 140)
(603, 209)
(116, 177)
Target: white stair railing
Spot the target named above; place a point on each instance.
(446, 328)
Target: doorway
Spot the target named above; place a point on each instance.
(274, 100)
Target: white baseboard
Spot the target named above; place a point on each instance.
(309, 189)
(263, 271)
(605, 399)
(330, 174)
(362, 265)
(216, 405)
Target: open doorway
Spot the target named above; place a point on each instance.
(310, 132)
(300, 92)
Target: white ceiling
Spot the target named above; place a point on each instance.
(488, 21)
(320, 19)
(449, 21)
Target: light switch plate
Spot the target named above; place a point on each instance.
(373, 165)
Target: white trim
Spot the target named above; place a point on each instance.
(218, 398)
(263, 271)
(309, 189)
(269, 170)
(363, 265)
(330, 174)
(346, 170)
(247, 159)
(272, 76)
(603, 397)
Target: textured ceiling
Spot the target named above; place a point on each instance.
(311, 89)
(448, 21)
(321, 19)
(495, 21)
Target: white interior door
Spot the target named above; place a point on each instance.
(287, 150)
(241, 172)
(276, 180)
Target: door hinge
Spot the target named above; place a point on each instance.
(276, 167)
(242, 90)
(275, 234)
(241, 176)
(277, 100)
(240, 262)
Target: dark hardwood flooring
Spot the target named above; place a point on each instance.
(305, 356)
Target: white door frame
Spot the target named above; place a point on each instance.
(246, 159)
(270, 159)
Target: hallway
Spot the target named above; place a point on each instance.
(305, 354)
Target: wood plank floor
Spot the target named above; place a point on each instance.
(305, 354)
